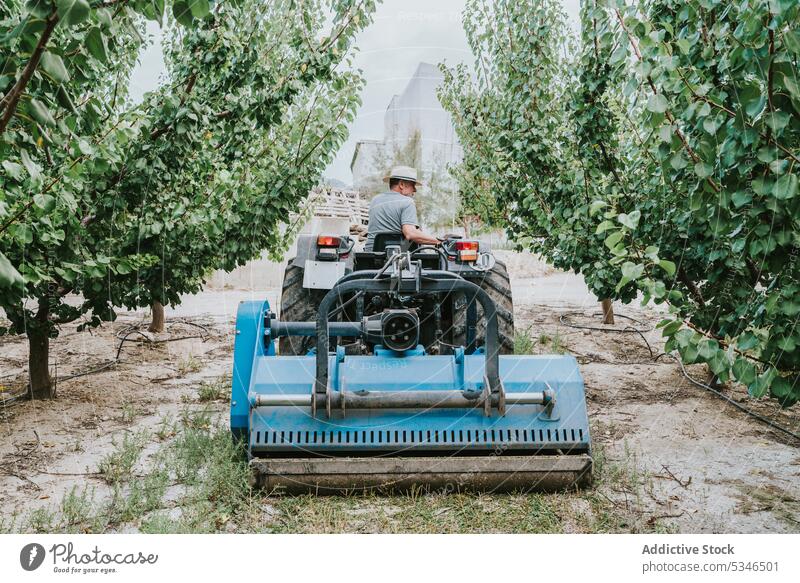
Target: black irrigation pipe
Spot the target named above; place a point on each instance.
(729, 400)
(685, 373)
(627, 329)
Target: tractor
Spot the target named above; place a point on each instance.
(393, 369)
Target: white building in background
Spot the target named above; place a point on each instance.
(415, 111)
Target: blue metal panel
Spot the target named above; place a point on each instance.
(291, 429)
(247, 349)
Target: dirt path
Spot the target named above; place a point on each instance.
(670, 455)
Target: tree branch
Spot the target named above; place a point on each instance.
(9, 102)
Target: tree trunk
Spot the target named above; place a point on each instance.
(157, 325)
(41, 385)
(608, 311)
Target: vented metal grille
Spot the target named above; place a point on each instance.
(378, 439)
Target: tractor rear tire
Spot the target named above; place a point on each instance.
(298, 304)
(497, 284)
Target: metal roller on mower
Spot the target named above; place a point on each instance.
(405, 383)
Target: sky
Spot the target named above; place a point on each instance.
(403, 34)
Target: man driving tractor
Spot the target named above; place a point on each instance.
(394, 211)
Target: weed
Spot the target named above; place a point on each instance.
(196, 419)
(76, 510)
(557, 343)
(190, 364)
(129, 413)
(118, 465)
(41, 520)
(524, 342)
(166, 428)
(217, 390)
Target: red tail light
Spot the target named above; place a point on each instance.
(328, 241)
(467, 250)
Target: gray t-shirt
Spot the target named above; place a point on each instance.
(388, 212)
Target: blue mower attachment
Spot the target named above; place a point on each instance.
(400, 417)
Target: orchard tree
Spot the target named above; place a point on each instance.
(69, 144)
(720, 92)
(259, 111)
(666, 164)
(64, 79)
(539, 132)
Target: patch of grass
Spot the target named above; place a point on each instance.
(207, 477)
(167, 427)
(41, 520)
(8, 525)
(769, 498)
(524, 342)
(557, 343)
(196, 418)
(129, 413)
(76, 510)
(190, 364)
(217, 390)
(131, 502)
(118, 465)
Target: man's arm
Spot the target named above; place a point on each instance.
(409, 221)
(414, 234)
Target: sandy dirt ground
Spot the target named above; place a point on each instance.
(693, 463)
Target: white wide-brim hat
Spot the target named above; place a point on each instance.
(404, 173)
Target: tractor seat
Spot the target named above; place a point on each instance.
(385, 239)
(377, 257)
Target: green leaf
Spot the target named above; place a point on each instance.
(24, 233)
(703, 170)
(744, 371)
(678, 161)
(45, 202)
(614, 238)
(785, 187)
(753, 99)
(657, 103)
(746, 341)
(31, 166)
(792, 40)
(9, 276)
(707, 349)
(777, 120)
(780, 387)
(14, 170)
(73, 12)
(632, 270)
(54, 66)
(103, 17)
(40, 8)
(763, 382)
(605, 226)
(182, 12)
(667, 266)
(199, 8)
(596, 206)
(672, 328)
(787, 344)
(96, 43)
(40, 113)
(630, 220)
